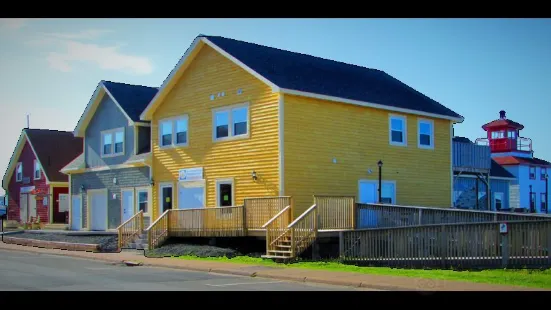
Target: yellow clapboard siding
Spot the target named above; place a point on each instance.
(317, 131)
(212, 73)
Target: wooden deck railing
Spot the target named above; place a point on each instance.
(474, 245)
(130, 229)
(336, 212)
(260, 210)
(304, 231)
(207, 222)
(383, 215)
(157, 232)
(277, 229)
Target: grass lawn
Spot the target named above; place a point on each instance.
(525, 277)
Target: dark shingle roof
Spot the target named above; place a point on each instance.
(312, 74)
(133, 99)
(461, 139)
(54, 150)
(496, 170)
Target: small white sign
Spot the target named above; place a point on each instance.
(192, 174)
(503, 228)
(45, 201)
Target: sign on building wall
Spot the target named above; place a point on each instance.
(191, 174)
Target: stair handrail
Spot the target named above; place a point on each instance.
(302, 216)
(123, 238)
(276, 216)
(153, 225)
(274, 234)
(295, 248)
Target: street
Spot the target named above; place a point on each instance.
(30, 271)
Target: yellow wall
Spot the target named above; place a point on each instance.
(211, 73)
(358, 137)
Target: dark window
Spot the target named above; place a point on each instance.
(533, 173)
(397, 136)
(543, 203)
(225, 195)
(181, 137)
(142, 201)
(543, 172)
(533, 202)
(167, 198)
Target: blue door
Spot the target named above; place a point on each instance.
(367, 195)
(127, 205)
(76, 213)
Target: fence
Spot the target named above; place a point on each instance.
(468, 245)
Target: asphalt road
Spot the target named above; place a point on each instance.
(32, 271)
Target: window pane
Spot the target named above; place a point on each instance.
(239, 121)
(142, 201)
(166, 133)
(397, 124)
(119, 138)
(107, 140)
(222, 119)
(424, 139)
(424, 128)
(397, 136)
(225, 197)
(181, 131)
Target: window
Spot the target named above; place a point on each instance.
(19, 172)
(512, 134)
(36, 170)
(388, 193)
(498, 134)
(143, 200)
(173, 131)
(543, 203)
(498, 201)
(543, 172)
(426, 134)
(533, 173)
(533, 202)
(231, 122)
(398, 130)
(112, 142)
(224, 193)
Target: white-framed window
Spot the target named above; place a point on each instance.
(425, 135)
(174, 131)
(397, 130)
(498, 201)
(498, 134)
(19, 172)
(230, 122)
(142, 200)
(112, 142)
(224, 193)
(512, 134)
(36, 172)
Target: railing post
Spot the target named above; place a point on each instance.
(292, 242)
(443, 245)
(354, 215)
(420, 216)
(504, 250)
(244, 220)
(341, 246)
(548, 243)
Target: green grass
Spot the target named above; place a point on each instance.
(522, 277)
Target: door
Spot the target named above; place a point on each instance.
(62, 209)
(367, 195)
(98, 210)
(128, 209)
(142, 204)
(32, 207)
(23, 199)
(76, 213)
(166, 197)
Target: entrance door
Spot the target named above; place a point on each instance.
(367, 195)
(32, 207)
(98, 210)
(191, 195)
(23, 199)
(62, 209)
(166, 196)
(76, 214)
(128, 208)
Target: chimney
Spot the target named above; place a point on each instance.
(502, 114)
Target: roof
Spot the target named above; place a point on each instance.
(461, 139)
(496, 170)
(302, 74)
(130, 99)
(77, 163)
(502, 121)
(517, 160)
(133, 99)
(54, 149)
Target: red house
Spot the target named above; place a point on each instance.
(33, 184)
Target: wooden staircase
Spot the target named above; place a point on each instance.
(282, 249)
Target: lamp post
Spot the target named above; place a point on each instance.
(531, 209)
(380, 164)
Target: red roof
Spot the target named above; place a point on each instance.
(503, 122)
(515, 160)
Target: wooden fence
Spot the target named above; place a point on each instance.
(526, 244)
(260, 210)
(335, 212)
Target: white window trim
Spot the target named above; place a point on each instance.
(405, 130)
(173, 121)
(431, 124)
(34, 170)
(501, 196)
(17, 178)
(137, 191)
(112, 133)
(230, 122)
(161, 186)
(219, 182)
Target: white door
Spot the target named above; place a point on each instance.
(32, 207)
(128, 209)
(98, 211)
(367, 194)
(23, 199)
(63, 205)
(191, 195)
(76, 214)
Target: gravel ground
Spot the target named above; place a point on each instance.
(107, 243)
(199, 248)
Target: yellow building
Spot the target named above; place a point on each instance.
(235, 120)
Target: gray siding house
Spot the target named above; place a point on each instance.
(110, 181)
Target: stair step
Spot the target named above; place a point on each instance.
(278, 251)
(275, 257)
(283, 246)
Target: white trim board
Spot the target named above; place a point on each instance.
(199, 42)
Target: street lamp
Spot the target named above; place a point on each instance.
(380, 164)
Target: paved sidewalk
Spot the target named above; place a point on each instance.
(290, 274)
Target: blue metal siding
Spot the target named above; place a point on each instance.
(107, 116)
(502, 186)
(470, 155)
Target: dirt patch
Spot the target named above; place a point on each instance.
(206, 247)
(107, 244)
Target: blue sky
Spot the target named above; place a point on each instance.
(476, 67)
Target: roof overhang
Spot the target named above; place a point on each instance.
(23, 137)
(93, 105)
(491, 177)
(199, 42)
